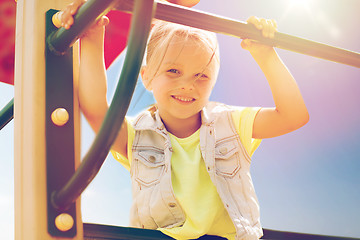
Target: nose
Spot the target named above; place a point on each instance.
(187, 83)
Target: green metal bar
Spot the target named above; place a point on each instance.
(7, 114)
(219, 24)
(92, 10)
(91, 164)
(102, 232)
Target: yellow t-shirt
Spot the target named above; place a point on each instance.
(193, 188)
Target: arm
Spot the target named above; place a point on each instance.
(92, 75)
(92, 79)
(290, 112)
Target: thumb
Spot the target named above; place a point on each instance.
(246, 43)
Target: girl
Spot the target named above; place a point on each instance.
(189, 158)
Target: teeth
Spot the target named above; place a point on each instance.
(184, 99)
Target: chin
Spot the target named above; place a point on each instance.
(186, 3)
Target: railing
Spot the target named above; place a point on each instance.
(102, 232)
(7, 114)
(219, 24)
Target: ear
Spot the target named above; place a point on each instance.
(145, 78)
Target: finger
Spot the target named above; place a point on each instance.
(251, 19)
(265, 27)
(272, 28)
(274, 23)
(67, 20)
(246, 43)
(67, 14)
(268, 29)
(255, 21)
(63, 18)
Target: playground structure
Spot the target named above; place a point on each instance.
(31, 97)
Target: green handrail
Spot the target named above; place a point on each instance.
(102, 232)
(92, 10)
(7, 114)
(91, 164)
(219, 24)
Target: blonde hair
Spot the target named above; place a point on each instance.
(164, 32)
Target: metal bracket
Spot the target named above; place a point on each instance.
(60, 150)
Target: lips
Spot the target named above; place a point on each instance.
(183, 99)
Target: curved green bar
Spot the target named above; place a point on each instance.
(7, 114)
(95, 157)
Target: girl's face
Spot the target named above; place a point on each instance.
(185, 79)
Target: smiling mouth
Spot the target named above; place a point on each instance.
(183, 99)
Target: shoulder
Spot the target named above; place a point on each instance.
(219, 108)
(214, 110)
(147, 119)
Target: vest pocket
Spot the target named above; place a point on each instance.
(149, 167)
(227, 159)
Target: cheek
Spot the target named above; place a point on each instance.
(160, 87)
(166, 84)
(205, 88)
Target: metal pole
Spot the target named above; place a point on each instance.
(219, 24)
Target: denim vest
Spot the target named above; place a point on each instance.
(226, 160)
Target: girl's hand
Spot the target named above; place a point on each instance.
(66, 15)
(66, 18)
(268, 27)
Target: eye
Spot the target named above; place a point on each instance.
(201, 75)
(175, 71)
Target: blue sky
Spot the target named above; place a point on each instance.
(306, 181)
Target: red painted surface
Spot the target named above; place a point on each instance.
(7, 40)
(116, 35)
(115, 38)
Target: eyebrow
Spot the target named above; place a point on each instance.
(168, 64)
(204, 70)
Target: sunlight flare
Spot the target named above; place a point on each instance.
(300, 4)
